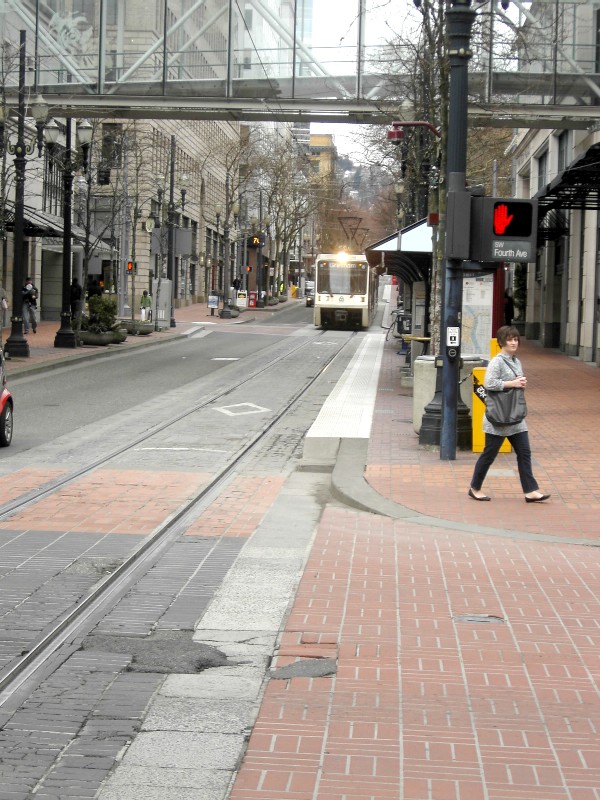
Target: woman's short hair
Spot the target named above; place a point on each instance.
(505, 333)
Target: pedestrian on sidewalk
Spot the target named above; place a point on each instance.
(509, 308)
(75, 298)
(94, 289)
(29, 294)
(3, 307)
(505, 372)
(145, 307)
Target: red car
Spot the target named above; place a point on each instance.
(6, 407)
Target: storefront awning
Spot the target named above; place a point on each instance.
(577, 186)
(38, 223)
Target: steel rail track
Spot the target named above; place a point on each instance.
(72, 623)
(7, 509)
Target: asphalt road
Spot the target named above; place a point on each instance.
(50, 404)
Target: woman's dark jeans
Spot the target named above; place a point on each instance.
(520, 444)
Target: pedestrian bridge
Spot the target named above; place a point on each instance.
(294, 60)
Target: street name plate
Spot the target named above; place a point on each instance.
(511, 250)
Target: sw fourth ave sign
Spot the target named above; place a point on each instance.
(504, 250)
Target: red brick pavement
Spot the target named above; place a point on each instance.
(563, 420)
(467, 664)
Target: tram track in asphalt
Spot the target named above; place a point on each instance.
(21, 675)
(29, 499)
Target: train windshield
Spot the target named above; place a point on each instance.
(336, 277)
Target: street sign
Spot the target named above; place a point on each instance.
(503, 229)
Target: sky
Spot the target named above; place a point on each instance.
(344, 137)
(335, 31)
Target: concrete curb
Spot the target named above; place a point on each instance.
(348, 485)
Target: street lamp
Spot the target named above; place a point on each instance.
(65, 336)
(226, 311)
(171, 223)
(399, 189)
(17, 344)
(216, 254)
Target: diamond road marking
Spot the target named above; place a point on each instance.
(242, 408)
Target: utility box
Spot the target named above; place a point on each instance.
(161, 302)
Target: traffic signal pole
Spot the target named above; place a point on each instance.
(460, 18)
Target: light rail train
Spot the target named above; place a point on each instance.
(345, 291)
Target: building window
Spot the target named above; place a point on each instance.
(112, 144)
(563, 150)
(542, 169)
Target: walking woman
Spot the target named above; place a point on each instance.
(505, 372)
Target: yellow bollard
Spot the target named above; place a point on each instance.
(478, 411)
(494, 347)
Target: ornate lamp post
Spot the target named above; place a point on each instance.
(216, 264)
(226, 311)
(399, 190)
(65, 336)
(172, 208)
(17, 344)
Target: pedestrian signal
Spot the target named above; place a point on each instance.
(130, 267)
(502, 229)
(512, 218)
(248, 269)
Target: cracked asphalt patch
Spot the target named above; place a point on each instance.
(163, 652)
(307, 668)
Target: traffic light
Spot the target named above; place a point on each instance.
(503, 229)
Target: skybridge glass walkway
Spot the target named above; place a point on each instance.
(329, 59)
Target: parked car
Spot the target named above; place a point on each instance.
(6, 407)
(310, 293)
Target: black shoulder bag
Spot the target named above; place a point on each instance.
(506, 407)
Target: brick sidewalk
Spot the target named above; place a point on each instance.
(466, 665)
(564, 428)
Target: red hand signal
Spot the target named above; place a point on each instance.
(502, 219)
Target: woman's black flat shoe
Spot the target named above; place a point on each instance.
(537, 499)
(474, 496)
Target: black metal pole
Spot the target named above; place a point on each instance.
(65, 336)
(226, 311)
(16, 344)
(260, 303)
(460, 18)
(171, 233)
